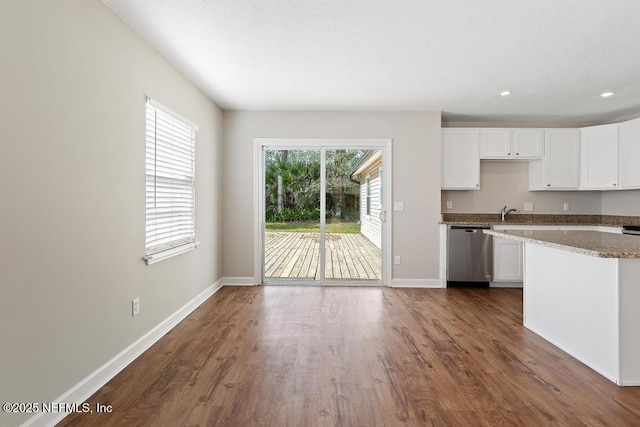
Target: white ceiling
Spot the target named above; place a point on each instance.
(556, 56)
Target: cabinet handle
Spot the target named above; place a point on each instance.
(517, 154)
(508, 154)
(477, 185)
(614, 184)
(548, 185)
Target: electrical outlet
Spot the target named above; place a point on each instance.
(135, 306)
(449, 204)
(396, 261)
(528, 206)
(398, 206)
(565, 206)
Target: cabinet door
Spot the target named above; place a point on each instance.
(460, 159)
(495, 143)
(561, 158)
(507, 260)
(599, 157)
(629, 144)
(528, 143)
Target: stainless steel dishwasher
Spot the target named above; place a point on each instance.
(469, 256)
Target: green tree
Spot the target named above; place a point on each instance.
(339, 182)
(292, 183)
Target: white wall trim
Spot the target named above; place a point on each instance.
(238, 281)
(443, 253)
(258, 210)
(416, 283)
(505, 285)
(383, 144)
(631, 383)
(80, 392)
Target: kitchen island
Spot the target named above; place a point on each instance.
(582, 293)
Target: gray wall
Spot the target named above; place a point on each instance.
(72, 180)
(507, 183)
(416, 178)
(621, 202)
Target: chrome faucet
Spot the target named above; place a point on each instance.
(504, 212)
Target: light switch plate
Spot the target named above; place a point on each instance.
(565, 206)
(398, 206)
(528, 206)
(449, 204)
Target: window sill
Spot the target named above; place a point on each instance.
(169, 253)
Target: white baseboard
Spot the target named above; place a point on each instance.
(80, 392)
(417, 283)
(505, 285)
(395, 283)
(237, 281)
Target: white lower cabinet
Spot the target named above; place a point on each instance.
(507, 260)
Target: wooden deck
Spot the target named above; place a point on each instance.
(290, 255)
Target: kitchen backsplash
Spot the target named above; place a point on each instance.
(507, 183)
(621, 202)
(540, 219)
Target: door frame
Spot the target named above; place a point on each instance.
(383, 144)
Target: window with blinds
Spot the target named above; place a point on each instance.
(170, 183)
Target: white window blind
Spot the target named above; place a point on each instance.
(170, 183)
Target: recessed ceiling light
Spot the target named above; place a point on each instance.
(505, 93)
(607, 94)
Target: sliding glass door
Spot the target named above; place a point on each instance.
(353, 232)
(292, 214)
(322, 212)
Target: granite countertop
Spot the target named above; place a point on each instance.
(593, 243)
(538, 219)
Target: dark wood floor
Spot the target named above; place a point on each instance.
(321, 356)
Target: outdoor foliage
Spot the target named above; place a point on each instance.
(299, 187)
(314, 227)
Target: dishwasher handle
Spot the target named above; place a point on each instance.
(470, 228)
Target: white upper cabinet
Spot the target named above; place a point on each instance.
(511, 143)
(495, 143)
(629, 147)
(592, 158)
(599, 157)
(528, 143)
(559, 169)
(460, 159)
